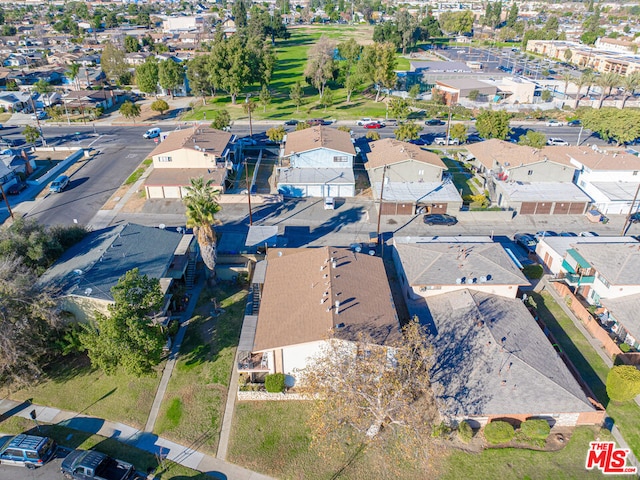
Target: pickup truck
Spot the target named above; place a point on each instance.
(92, 465)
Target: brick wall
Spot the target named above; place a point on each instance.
(592, 326)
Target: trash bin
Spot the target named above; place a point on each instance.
(605, 220)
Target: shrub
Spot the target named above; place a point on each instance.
(173, 327)
(274, 383)
(623, 383)
(440, 430)
(536, 429)
(624, 347)
(533, 271)
(498, 432)
(465, 432)
(372, 136)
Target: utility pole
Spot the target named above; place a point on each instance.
(633, 204)
(246, 179)
(384, 171)
(6, 201)
(249, 107)
(449, 124)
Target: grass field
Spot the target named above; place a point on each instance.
(73, 385)
(192, 410)
(292, 57)
(592, 368)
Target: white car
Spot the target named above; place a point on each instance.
(364, 121)
(553, 123)
(443, 141)
(557, 142)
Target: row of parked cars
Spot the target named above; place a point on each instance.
(529, 241)
(32, 451)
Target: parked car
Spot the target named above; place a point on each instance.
(417, 141)
(28, 451)
(92, 465)
(558, 142)
(574, 123)
(443, 141)
(553, 123)
(545, 233)
(16, 188)
(329, 203)
(364, 121)
(568, 234)
(527, 241)
(39, 115)
(634, 217)
(439, 219)
(317, 121)
(588, 234)
(151, 133)
(373, 125)
(59, 184)
(473, 138)
(391, 122)
(434, 122)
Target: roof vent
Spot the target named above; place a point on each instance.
(279, 254)
(87, 291)
(458, 281)
(483, 279)
(162, 226)
(337, 304)
(77, 271)
(470, 280)
(340, 325)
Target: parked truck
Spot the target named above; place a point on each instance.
(92, 465)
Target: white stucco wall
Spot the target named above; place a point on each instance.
(296, 357)
(508, 291)
(321, 158)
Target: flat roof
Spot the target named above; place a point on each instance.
(616, 191)
(543, 191)
(419, 191)
(318, 176)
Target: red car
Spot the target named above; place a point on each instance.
(373, 125)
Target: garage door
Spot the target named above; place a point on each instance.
(561, 208)
(528, 208)
(314, 191)
(388, 208)
(543, 208)
(577, 208)
(346, 191)
(171, 192)
(439, 208)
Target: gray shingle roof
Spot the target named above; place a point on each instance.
(492, 359)
(94, 265)
(619, 263)
(433, 263)
(625, 311)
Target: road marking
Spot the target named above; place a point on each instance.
(99, 136)
(132, 155)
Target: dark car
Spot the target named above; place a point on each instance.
(527, 241)
(439, 219)
(373, 125)
(545, 233)
(574, 123)
(16, 188)
(317, 121)
(28, 451)
(417, 141)
(634, 218)
(292, 122)
(434, 122)
(568, 234)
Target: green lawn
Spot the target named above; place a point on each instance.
(192, 410)
(144, 461)
(73, 385)
(292, 57)
(592, 368)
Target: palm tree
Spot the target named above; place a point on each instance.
(567, 78)
(606, 82)
(630, 83)
(579, 82)
(201, 200)
(72, 74)
(589, 80)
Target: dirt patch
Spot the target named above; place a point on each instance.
(57, 155)
(135, 203)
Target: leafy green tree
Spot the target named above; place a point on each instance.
(456, 22)
(160, 106)
(72, 74)
(611, 123)
(127, 337)
(533, 139)
(378, 66)
(230, 66)
(112, 62)
(327, 98)
(199, 77)
(302, 126)
(399, 108)
(606, 82)
(12, 86)
(147, 76)
(265, 97)
(631, 83)
(221, 119)
(414, 92)
(407, 28)
(568, 54)
(320, 63)
(459, 131)
(372, 136)
(276, 134)
(546, 96)
(349, 52)
(239, 12)
(201, 201)
(170, 75)
(42, 87)
(129, 110)
(474, 94)
(512, 18)
(31, 134)
(111, 20)
(623, 383)
(131, 44)
(493, 124)
(408, 131)
(295, 94)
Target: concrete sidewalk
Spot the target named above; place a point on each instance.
(184, 455)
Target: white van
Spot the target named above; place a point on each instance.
(329, 203)
(152, 133)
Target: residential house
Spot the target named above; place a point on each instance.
(14, 101)
(455, 89)
(304, 297)
(136, 58)
(186, 154)
(317, 162)
(609, 176)
(491, 359)
(528, 180)
(83, 277)
(86, 99)
(414, 179)
(16, 60)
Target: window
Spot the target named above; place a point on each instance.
(420, 172)
(583, 183)
(341, 159)
(165, 159)
(604, 281)
(635, 172)
(530, 172)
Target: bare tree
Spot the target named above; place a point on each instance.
(320, 63)
(374, 394)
